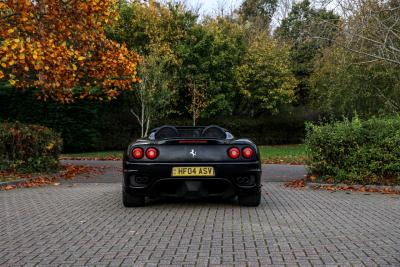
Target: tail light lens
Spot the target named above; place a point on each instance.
(151, 153)
(137, 153)
(234, 153)
(247, 152)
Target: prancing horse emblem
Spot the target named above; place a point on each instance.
(193, 153)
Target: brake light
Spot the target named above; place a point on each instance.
(234, 153)
(137, 153)
(193, 141)
(151, 153)
(247, 152)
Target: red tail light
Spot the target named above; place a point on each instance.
(247, 152)
(234, 153)
(151, 153)
(137, 153)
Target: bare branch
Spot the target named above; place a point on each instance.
(134, 114)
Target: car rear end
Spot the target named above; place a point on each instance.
(192, 168)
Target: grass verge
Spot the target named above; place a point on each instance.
(101, 155)
(284, 154)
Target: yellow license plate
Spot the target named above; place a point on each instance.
(193, 171)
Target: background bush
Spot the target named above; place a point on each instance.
(94, 126)
(28, 148)
(283, 128)
(356, 151)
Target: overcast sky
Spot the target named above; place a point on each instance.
(210, 7)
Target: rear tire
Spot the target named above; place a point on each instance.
(252, 200)
(132, 201)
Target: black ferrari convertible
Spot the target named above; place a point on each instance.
(191, 162)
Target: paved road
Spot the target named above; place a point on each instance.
(84, 224)
(271, 172)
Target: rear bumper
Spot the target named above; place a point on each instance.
(159, 181)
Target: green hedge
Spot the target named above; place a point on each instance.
(279, 129)
(92, 126)
(28, 148)
(356, 151)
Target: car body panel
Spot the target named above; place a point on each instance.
(153, 177)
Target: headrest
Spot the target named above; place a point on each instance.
(165, 132)
(214, 131)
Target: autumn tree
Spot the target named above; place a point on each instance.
(198, 101)
(258, 12)
(343, 83)
(60, 48)
(209, 56)
(155, 30)
(372, 29)
(264, 77)
(360, 73)
(152, 97)
(299, 30)
(191, 52)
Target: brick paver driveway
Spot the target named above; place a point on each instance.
(85, 224)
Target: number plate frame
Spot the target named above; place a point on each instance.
(200, 171)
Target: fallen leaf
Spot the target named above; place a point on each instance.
(312, 178)
(9, 187)
(68, 172)
(295, 184)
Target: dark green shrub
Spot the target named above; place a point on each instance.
(287, 127)
(356, 151)
(84, 125)
(268, 130)
(93, 126)
(271, 130)
(28, 148)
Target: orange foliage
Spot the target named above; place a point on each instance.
(60, 47)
